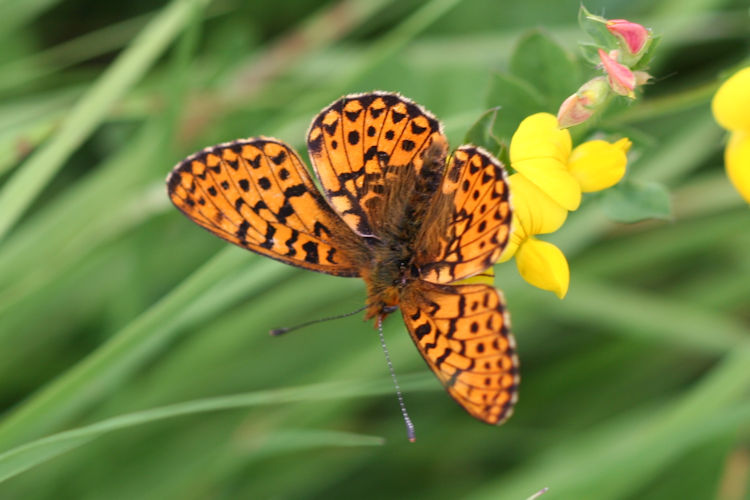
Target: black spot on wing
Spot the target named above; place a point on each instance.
(370, 153)
(416, 129)
(353, 137)
(447, 352)
(264, 183)
(311, 252)
(285, 211)
(422, 329)
(353, 115)
(291, 251)
(330, 256)
(319, 228)
(296, 190)
(255, 162)
(242, 231)
(331, 129)
(233, 164)
(315, 146)
(268, 242)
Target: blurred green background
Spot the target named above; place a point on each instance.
(134, 355)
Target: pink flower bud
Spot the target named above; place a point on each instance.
(620, 78)
(580, 106)
(633, 35)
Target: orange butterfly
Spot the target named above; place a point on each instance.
(397, 213)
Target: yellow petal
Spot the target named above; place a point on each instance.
(534, 211)
(737, 160)
(540, 136)
(485, 278)
(543, 265)
(539, 150)
(517, 236)
(552, 177)
(731, 104)
(598, 164)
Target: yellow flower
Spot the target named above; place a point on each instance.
(550, 177)
(731, 108)
(540, 150)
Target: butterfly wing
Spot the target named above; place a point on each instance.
(468, 225)
(356, 141)
(257, 194)
(462, 333)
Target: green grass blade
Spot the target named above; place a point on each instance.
(197, 297)
(614, 460)
(24, 457)
(20, 191)
(16, 13)
(650, 317)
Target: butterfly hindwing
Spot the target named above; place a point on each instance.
(463, 334)
(479, 217)
(357, 141)
(256, 193)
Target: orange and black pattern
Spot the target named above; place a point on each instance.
(257, 194)
(479, 225)
(396, 210)
(462, 332)
(354, 140)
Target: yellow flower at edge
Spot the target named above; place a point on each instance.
(737, 161)
(731, 104)
(731, 108)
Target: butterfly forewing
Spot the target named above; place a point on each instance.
(353, 144)
(257, 194)
(479, 218)
(463, 334)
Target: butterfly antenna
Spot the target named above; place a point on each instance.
(280, 331)
(409, 425)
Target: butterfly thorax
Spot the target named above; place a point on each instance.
(408, 193)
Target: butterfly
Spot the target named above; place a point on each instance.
(395, 210)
